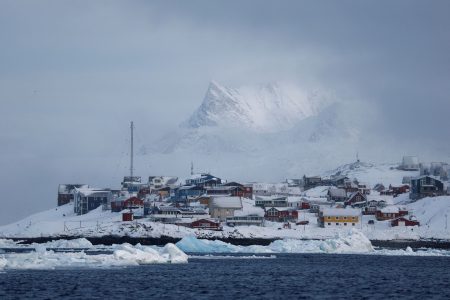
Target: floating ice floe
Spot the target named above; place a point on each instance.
(351, 242)
(123, 255)
(68, 244)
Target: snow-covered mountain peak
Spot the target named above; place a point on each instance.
(266, 108)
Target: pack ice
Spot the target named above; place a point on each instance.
(122, 255)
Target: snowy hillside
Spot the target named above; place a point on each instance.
(372, 173)
(61, 221)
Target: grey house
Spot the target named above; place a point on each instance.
(426, 186)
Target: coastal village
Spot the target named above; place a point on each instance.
(206, 202)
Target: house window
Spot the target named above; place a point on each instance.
(329, 224)
(328, 218)
(345, 224)
(345, 218)
(337, 224)
(353, 224)
(337, 218)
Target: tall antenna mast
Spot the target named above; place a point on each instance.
(131, 155)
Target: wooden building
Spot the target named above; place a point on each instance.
(389, 213)
(356, 199)
(402, 221)
(281, 214)
(337, 217)
(208, 223)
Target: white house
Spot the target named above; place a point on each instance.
(223, 207)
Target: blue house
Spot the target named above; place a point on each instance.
(186, 191)
(203, 180)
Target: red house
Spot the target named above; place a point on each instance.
(133, 202)
(404, 222)
(281, 214)
(396, 190)
(389, 213)
(116, 206)
(305, 205)
(210, 224)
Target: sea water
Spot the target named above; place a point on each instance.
(283, 276)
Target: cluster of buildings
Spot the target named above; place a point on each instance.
(205, 201)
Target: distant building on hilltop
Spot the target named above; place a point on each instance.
(203, 180)
(87, 199)
(410, 163)
(311, 182)
(159, 182)
(426, 186)
(65, 192)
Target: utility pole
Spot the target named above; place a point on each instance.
(131, 155)
(446, 222)
(192, 168)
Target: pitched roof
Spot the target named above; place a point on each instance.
(335, 192)
(390, 210)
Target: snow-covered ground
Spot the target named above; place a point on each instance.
(61, 221)
(432, 213)
(373, 173)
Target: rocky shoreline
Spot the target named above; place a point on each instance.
(163, 240)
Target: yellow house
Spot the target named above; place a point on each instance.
(339, 217)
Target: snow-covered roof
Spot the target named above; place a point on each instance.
(390, 210)
(341, 212)
(351, 195)
(221, 188)
(187, 187)
(85, 191)
(226, 202)
(283, 208)
(270, 198)
(293, 199)
(335, 192)
(249, 208)
(201, 175)
(67, 188)
(165, 180)
(423, 176)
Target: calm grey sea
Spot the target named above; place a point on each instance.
(288, 276)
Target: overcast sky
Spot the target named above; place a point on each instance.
(74, 73)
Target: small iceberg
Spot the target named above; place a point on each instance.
(352, 241)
